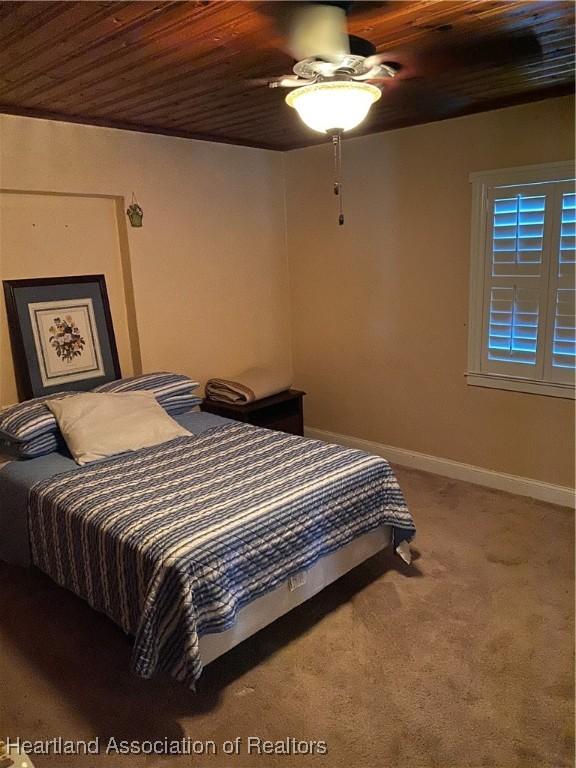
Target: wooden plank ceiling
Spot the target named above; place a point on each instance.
(191, 68)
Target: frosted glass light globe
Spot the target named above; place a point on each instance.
(333, 105)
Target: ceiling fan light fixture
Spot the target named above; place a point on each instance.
(336, 105)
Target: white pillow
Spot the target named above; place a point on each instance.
(95, 425)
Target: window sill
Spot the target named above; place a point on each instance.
(520, 385)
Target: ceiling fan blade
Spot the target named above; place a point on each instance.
(379, 72)
(313, 29)
(290, 82)
(465, 52)
(414, 96)
(495, 50)
(378, 59)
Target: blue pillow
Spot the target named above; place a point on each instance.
(174, 391)
(31, 430)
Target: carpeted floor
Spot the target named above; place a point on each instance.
(464, 660)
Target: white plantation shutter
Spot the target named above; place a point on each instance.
(518, 233)
(523, 297)
(567, 250)
(513, 325)
(564, 339)
(561, 357)
(516, 280)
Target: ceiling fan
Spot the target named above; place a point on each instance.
(337, 76)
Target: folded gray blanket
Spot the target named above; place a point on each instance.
(253, 384)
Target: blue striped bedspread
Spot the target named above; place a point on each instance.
(172, 541)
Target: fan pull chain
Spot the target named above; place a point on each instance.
(337, 147)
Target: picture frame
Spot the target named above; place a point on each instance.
(61, 334)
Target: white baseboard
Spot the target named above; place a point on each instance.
(524, 486)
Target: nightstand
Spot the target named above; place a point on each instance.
(283, 411)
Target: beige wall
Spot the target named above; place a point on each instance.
(56, 235)
(380, 306)
(209, 271)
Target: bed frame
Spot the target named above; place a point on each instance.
(294, 592)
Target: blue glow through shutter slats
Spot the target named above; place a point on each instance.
(567, 255)
(564, 341)
(518, 234)
(513, 325)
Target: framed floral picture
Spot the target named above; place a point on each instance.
(61, 334)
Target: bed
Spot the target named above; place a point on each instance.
(194, 545)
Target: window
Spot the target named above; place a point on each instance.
(522, 332)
